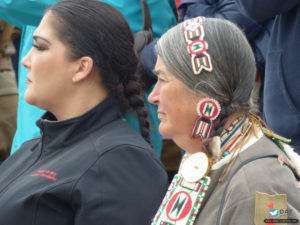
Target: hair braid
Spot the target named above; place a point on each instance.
(132, 92)
(221, 120)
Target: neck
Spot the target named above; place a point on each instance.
(78, 107)
(81, 100)
(188, 144)
(191, 145)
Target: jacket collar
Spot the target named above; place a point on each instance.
(65, 132)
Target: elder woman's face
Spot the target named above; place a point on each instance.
(176, 105)
(49, 68)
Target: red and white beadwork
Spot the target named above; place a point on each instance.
(182, 202)
(208, 110)
(197, 46)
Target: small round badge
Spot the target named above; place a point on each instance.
(194, 167)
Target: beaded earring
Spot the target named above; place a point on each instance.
(208, 110)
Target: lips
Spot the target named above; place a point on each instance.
(160, 115)
(28, 80)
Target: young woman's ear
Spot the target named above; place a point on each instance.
(84, 69)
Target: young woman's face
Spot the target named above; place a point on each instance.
(177, 107)
(49, 68)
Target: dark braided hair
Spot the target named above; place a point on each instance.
(136, 101)
(98, 30)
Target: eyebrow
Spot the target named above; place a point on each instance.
(36, 37)
(156, 71)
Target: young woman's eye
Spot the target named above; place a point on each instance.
(38, 47)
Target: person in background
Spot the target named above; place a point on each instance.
(234, 168)
(8, 90)
(89, 166)
(281, 107)
(26, 14)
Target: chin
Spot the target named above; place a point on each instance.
(165, 131)
(30, 98)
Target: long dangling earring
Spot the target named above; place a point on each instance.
(208, 110)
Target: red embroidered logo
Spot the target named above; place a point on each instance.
(45, 173)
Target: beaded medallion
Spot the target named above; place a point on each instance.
(186, 192)
(182, 202)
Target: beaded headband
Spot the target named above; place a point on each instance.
(197, 46)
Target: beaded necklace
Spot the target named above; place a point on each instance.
(231, 136)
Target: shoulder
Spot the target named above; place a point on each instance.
(124, 179)
(123, 172)
(117, 134)
(118, 145)
(116, 149)
(260, 169)
(265, 175)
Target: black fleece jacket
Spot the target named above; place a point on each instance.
(91, 169)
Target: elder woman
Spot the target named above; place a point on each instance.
(235, 170)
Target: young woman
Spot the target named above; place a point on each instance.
(88, 166)
(235, 170)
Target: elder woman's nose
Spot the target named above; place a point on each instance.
(154, 95)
